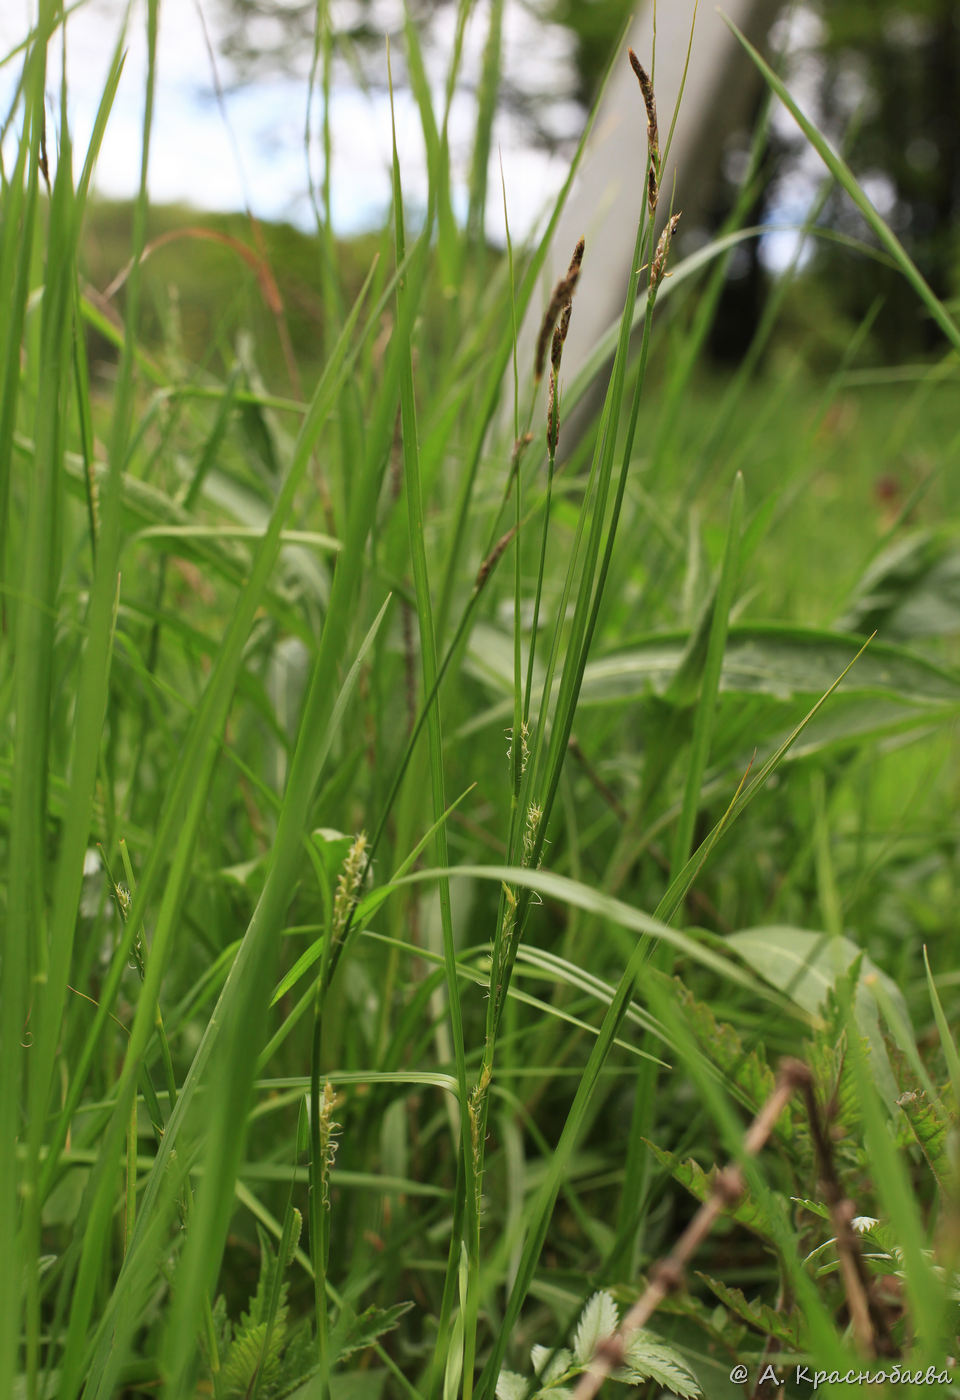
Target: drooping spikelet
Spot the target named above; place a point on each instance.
(653, 134)
(663, 248)
(562, 298)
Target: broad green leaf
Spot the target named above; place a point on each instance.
(806, 965)
(768, 677)
(911, 590)
(779, 661)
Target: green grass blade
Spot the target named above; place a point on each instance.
(947, 1040)
(709, 684)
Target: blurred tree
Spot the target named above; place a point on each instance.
(892, 67)
(261, 37)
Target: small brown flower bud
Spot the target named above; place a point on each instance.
(663, 248)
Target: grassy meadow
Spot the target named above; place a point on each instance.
(478, 905)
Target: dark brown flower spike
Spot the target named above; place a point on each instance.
(653, 134)
(559, 336)
(561, 299)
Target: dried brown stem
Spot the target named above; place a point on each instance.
(667, 1276)
(869, 1323)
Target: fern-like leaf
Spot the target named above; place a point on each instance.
(243, 1362)
(746, 1069)
(650, 1358)
(369, 1325)
(749, 1212)
(512, 1386)
(765, 1319)
(599, 1319)
(550, 1364)
(930, 1126)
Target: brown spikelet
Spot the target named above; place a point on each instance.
(562, 298)
(559, 336)
(493, 558)
(553, 418)
(663, 248)
(653, 134)
(519, 448)
(653, 189)
(556, 348)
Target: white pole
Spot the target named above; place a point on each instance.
(605, 201)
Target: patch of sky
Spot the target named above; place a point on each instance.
(250, 152)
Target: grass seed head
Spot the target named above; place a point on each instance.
(559, 336)
(663, 248)
(348, 884)
(530, 829)
(553, 416)
(653, 134)
(329, 1131)
(560, 300)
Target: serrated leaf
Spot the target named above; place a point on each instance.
(764, 1319)
(746, 1068)
(371, 1324)
(930, 1126)
(599, 1319)
(806, 965)
(244, 1361)
(749, 1213)
(815, 1207)
(550, 1364)
(258, 1303)
(649, 1358)
(512, 1386)
(722, 1330)
(829, 1060)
